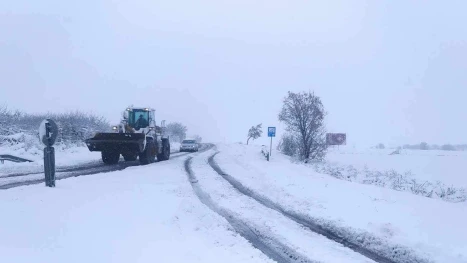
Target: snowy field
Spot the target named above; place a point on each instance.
(384, 219)
(433, 165)
(141, 214)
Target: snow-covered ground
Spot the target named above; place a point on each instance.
(433, 174)
(141, 214)
(151, 213)
(433, 165)
(386, 219)
(267, 222)
(30, 148)
(72, 156)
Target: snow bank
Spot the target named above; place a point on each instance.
(141, 214)
(382, 218)
(21, 144)
(29, 147)
(175, 146)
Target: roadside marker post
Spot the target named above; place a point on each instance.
(271, 133)
(48, 132)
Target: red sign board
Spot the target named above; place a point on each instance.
(336, 139)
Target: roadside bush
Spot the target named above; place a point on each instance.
(265, 151)
(74, 127)
(288, 145)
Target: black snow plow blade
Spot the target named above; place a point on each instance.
(116, 142)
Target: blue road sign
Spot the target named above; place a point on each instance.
(271, 131)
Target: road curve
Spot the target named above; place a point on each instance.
(21, 179)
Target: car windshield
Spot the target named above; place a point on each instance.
(188, 141)
(138, 119)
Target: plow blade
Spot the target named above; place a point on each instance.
(116, 142)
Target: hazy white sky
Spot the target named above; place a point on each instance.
(387, 71)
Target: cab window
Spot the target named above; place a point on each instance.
(138, 119)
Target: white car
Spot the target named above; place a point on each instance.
(189, 146)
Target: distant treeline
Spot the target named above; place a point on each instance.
(444, 147)
(73, 126)
(426, 146)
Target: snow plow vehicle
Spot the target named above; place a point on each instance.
(137, 136)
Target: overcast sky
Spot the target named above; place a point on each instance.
(387, 71)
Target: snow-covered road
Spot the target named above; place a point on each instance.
(67, 160)
(142, 214)
(32, 174)
(203, 207)
(276, 235)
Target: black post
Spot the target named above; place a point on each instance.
(49, 166)
(49, 159)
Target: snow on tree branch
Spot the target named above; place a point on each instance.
(255, 132)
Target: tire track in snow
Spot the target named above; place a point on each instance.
(86, 166)
(299, 218)
(272, 248)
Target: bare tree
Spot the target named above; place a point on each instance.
(177, 131)
(254, 132)
(303, 113)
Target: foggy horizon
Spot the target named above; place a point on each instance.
(386, 72)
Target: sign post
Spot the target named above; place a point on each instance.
(48, 132)
(271, 133)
